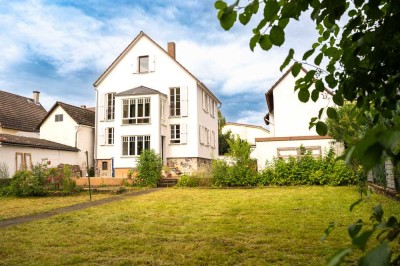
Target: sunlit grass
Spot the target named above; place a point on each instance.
(270, 226)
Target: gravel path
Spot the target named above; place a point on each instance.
(77, 207)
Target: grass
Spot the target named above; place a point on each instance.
(263, 226)
(11, 207)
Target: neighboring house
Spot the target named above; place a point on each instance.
(247, 132)
(73, 126)
(20, 115)
(147, 100)
(288, 120)
(19, 152)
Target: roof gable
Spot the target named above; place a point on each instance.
(20, 113)
(141, 90)
(130, 46)
(81, 116)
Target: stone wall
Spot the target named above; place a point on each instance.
(187, 165)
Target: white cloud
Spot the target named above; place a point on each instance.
(252, 118)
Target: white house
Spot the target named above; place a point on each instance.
(288, 119)
(73, 126)
(147, 100)
(246, 132)
(19, 152)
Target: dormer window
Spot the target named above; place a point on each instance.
(143, 64)
(59, 118)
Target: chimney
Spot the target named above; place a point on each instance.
(83, 106)
(36, 96)
(171, 49)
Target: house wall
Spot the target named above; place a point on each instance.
(290, 116)
(53, 157)
(19, 133)
(246, 132)
(268, 150)
(164, 73)
(68, 132)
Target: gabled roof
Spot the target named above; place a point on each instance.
(20, 113)
(12, 140)
(269, 95)
(81, 116)
(246, 125)
(141, 90)
(129, 47)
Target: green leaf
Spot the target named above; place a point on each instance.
(318, 59)
(304, 95)
(319, 85)
(338, 99)
(245, 17)
(308, 54)
(314, 95)
(321, 111)
(379, 255)
(352, 13)
(330, 79)
(287, 59)
(254, 40)
(283, 22)
(227, 19)
(338, 257)
(277, 35)
(271, 9)
(265, 42)
(296, 69)
(354, 229)
(321, 128)
(220, 4)
(378, 212)
(361, 240)
(332, 114)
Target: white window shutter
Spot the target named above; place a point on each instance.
(101, 140)
(201, 134)
(152, 63)
(184, 101)
(100, 112)
(203, 100)
(183, 133)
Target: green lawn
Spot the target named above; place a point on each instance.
(262, 226)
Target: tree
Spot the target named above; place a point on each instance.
(361, 60)
(223, 145)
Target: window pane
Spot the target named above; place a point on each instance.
(147, 110)
(140, 110)
(125, 147)
(132, 109)
(139, 145)
(132, 146)
(143, 64)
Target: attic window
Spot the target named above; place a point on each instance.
(143, 64)
(59, 118)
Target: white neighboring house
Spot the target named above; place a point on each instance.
(247, 132)
(73, 126)
(147, 100)
(288, 119)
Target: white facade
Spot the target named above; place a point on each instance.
(164, 84)
(69, 132)
(12, 157)
(289, 119)
(246, 132)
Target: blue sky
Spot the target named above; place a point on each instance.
(61, 47)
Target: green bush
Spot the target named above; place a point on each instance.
(25, 183)
(149, 168)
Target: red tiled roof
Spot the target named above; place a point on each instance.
(6, 139)
(20, 113)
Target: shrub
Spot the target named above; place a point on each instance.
(4, 173)
(149, 168)
(25, 183)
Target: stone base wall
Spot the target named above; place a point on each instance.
(187, 165)
(99, 172)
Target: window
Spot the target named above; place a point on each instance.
(110, 106)
(143, 64)
(110, 135)
(136, 111)
(175, 133)
(134, 145)
(175, 101)
(104, 166)
(59, 118)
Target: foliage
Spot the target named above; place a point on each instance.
(24, 184)
(345, 128)
(221, 121)
(4, 173)
(149, 166)
(386, 232)
(307, 170)
(359, 42)
(223, 145)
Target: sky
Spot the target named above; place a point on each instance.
(60, 47)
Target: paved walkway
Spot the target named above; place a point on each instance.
(77, 207)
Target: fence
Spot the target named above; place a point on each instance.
(386, 176)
